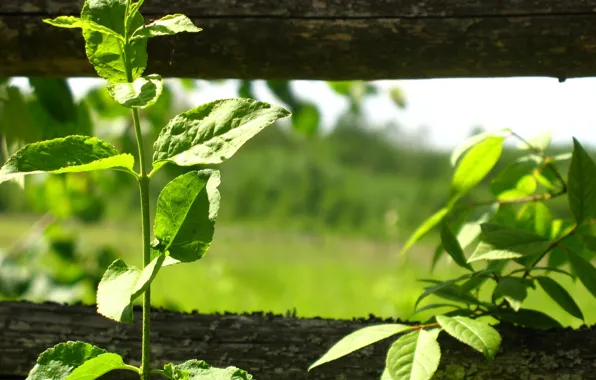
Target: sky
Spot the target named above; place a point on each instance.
(448, 108)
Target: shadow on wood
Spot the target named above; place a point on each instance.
(278, 348)
(330, 40)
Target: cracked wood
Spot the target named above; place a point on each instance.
(328, 40)
(277, 348)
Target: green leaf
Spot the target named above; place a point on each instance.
(513, 289)
(166, 26)
(434, 306)
(75, 22)
(306, 119)
(213, 132)
(451, 245)
(98, 366)
(584, 270)
(16, 122)
(425, 228)
(121, 285)
(58, 362)
(199, 370)
(527, 318)
(385, 375)
(55, 96)
(560, 296)
(71, 154)
(105, 52)
(359, 339)
(470, 231)
(475, 165)
(581, 184)
(142, 93)
(475, 140)
(500, 242)
(185, 217)
(414, 356)
(453, 290)
(476, 334)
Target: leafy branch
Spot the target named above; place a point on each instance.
(522, 234)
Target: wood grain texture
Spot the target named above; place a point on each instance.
(328, 40)
(277, 348)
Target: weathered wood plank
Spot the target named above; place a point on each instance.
(277, 348)
(330, 40)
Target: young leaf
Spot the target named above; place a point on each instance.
(359, 339)
(475, 165)
(425, 228)
(185, 216)
(474, 140)
(513, 289)
(476, 334)
(213, 132)
(540, 142)
(453, 248)
(527, 318)
(71, 154)
(500, 242)
(585, 271)
(582, 184)
(199, 370)
(414, 356)
(58, 362)
(142, 93)
(121, 285)
(166, 26)
(98, 366)
(105, 52)
(75, 22)
(560, 296)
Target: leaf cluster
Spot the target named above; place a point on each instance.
(511, 244)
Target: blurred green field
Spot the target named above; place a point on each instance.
(250, 268)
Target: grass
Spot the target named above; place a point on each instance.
(250, 268)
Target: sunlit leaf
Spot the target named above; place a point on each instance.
(425, 228)
(75, 22)
(476, 334)
(98, 366)
(213, 132)
(199, 370)
(359, 339)
(58, 362)
(166, 26)
(142, 93)
(474, 140)
(414, 356)
(106, 52)
(475, 165)
(121, 285)
(185, 216)
(71, 154)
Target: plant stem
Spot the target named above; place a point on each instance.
(146, 229)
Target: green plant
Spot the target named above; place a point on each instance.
(519, 244)
(116, 40)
